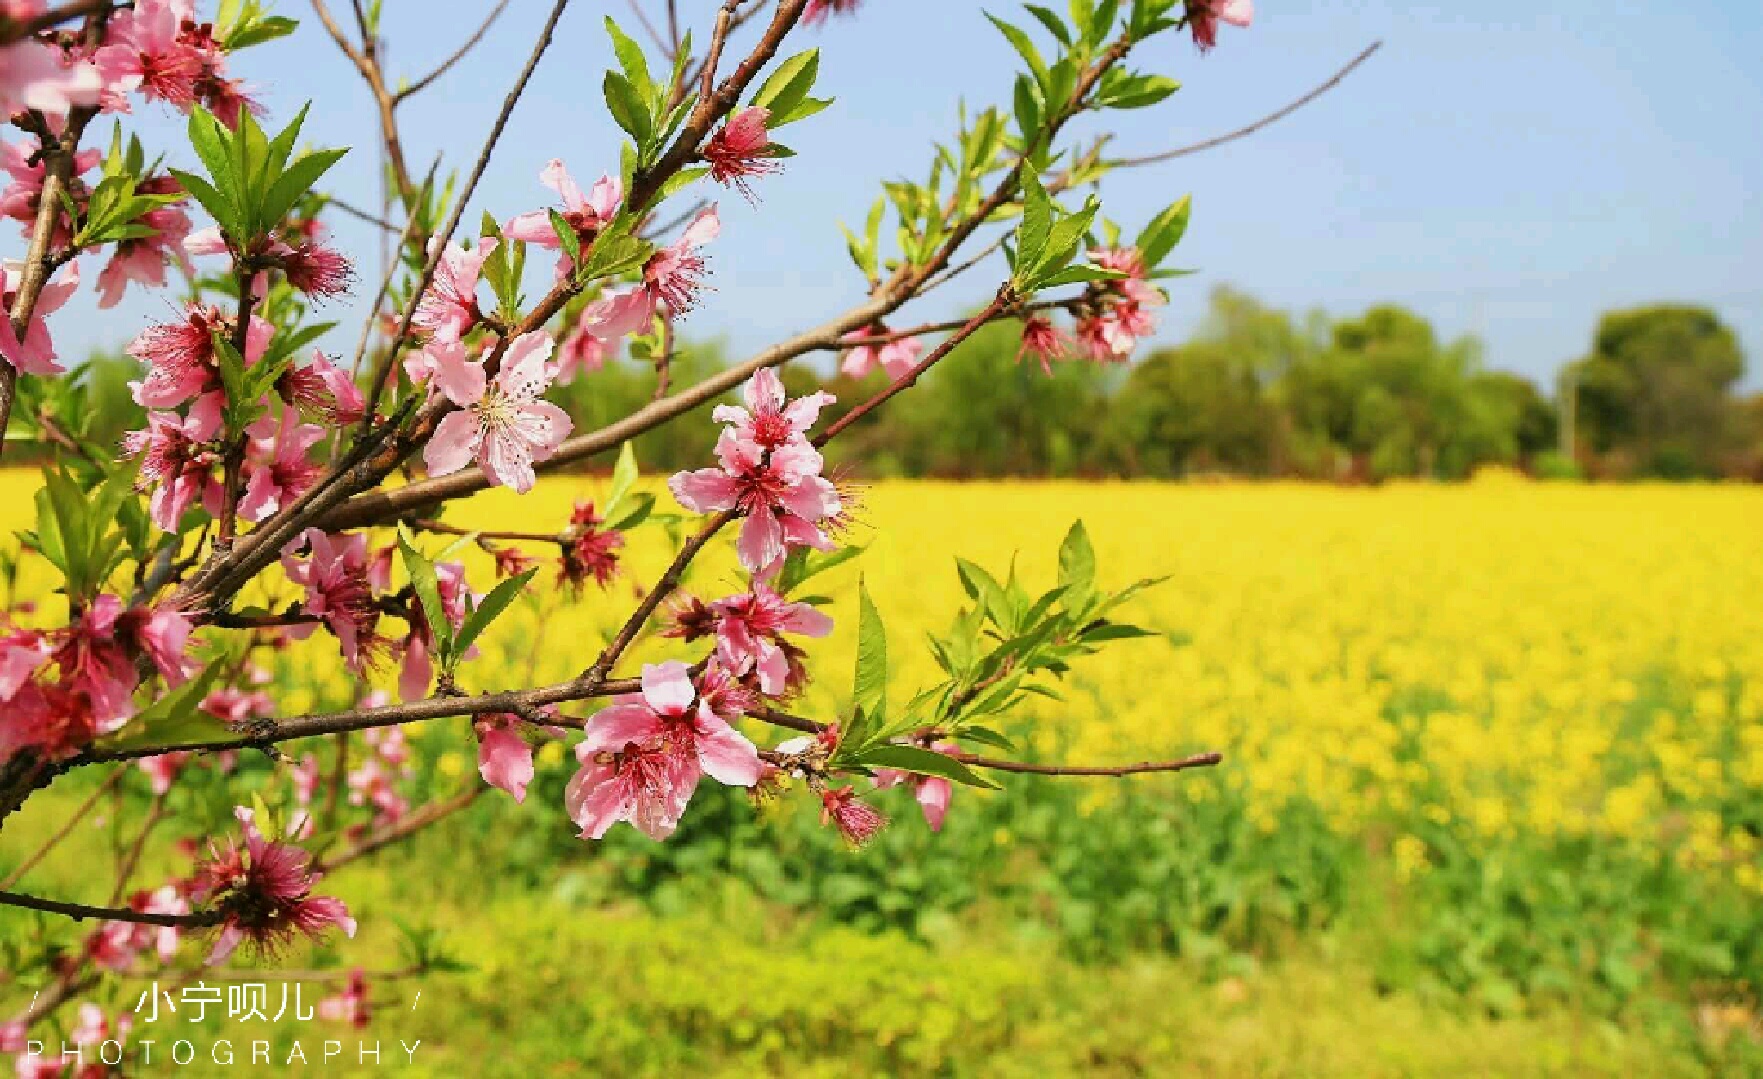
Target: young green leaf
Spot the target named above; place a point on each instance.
(926, 762)
(870, 686)
(492, 607)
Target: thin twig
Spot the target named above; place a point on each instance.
(362, 215)
(67, 826)
(1198, 760)
(459, 54)
(126, 869)
(79, 912)
(406, 826)
(1242, 132)
(14, 30)
(371, 322)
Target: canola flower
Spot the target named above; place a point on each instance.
(1503, 658)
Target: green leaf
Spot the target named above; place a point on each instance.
(219, 206)
(1052, 22)
(1163, 232)
(628, 109)
(1077, 562)
(1076, 275)
(1116, 631)
(492, 607)
(624, 476)
(632, 512)
(1019, 39)
(788, 87)
(428, 593)
(176, 719)
(631, 59)
(571, 243)
(927, 762)
(1037, 222)
(870, 685)
(1136, 91)
(985, 736)
(292, 184)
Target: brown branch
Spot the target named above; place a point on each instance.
(1198, 760)
(408, 825)
(262, 546)
(362, 215)
(16, 30)
(366, 61)
(1243, 132)
(371, 322)
(79, 912)
(263, 733)
(58, 172)
(663, 588)
(648, 26)
(999, 302)
(67, 826)
(127, 868)
(459, 54)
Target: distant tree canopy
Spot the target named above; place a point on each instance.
(1655, 391)
(1255, 391)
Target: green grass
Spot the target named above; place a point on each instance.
(562, 983)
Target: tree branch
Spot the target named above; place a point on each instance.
(79, 912)
(459, 54)
(1243, 132)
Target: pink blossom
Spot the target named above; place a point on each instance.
(581, 352)
(781, 492)
(643, 756)
(38, 76)
(94, 663)
(750, 630)
(586, 214)
(161, 634)
(896, 358)
(317, 270)
(334, 574)
(818, 11)
(857, 821)
(146, 52)
(264, 895)
(115, 944)
(323, 388)
(590, 551)
(177, 459)
(279, 468)
(740, 150)
(502, 423)
(349, 1006)
(449, 309)
(617, 314)
(23, 196)
(1205, 15)
(36, 353)
(1042, 340)
(932, 792)
(235, 707)
(770, 421)
(22, 652)
(504, 758)
(674, 274)
(180, 357)
(142, 259)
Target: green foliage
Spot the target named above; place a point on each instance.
(252, 181)
(1654, 391)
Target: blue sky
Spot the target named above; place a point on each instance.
(1509, 171)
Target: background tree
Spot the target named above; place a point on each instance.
(1654, 392)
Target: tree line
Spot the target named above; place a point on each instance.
(1254, 391)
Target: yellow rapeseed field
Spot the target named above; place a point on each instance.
(1501, 656)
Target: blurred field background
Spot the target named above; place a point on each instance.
(1494, 754)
